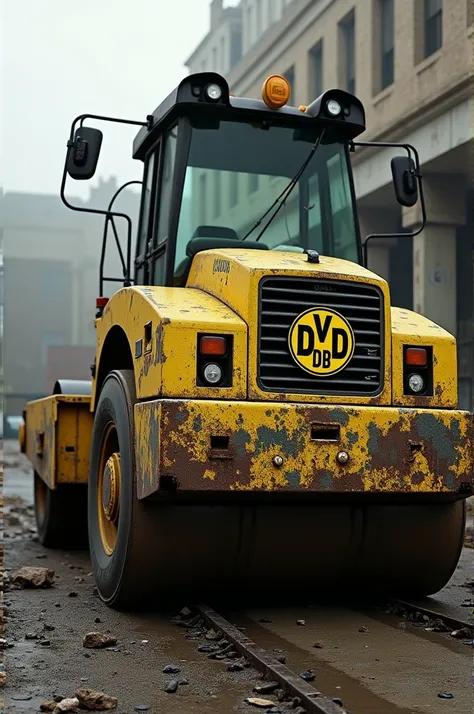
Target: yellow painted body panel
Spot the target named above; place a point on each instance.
(236, 284)
(168, 366)
(390, 450)
(58, 437)
(410, 328)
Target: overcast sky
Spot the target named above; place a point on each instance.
(61, 58)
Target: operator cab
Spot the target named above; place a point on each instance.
(222, 171)
(215, 166)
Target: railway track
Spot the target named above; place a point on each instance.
(405, 630)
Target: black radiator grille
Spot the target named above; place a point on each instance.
(283, 299)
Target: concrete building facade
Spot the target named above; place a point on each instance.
(411, 64)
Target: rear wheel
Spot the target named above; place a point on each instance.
(122, 531)
(61, 515)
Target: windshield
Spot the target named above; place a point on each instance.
(235, 172)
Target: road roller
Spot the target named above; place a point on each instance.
(261, 422)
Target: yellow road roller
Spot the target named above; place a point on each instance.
(261, 423)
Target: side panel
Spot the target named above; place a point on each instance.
(409, 328)
(58, 437)
(162, 326)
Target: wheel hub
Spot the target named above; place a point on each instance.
(111, 487)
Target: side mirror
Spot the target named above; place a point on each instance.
(404, 180)
(83, 155)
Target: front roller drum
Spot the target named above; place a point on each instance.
(410, 551)
(162, 553)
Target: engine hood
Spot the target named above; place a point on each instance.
(233, 275)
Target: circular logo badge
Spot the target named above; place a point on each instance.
(321, 341)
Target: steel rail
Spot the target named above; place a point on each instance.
(313, 701)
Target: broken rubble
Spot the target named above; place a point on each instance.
(48, 706)
(171, 669)
(67, 705)
(171, 686)
(259, 702)
(98, 640)
(29, 577)
(95, 701)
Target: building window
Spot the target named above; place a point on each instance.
(223, 67)
(347, 48)
(217, 194)
(233, 189)
(271, 5)
(433, 24)
(290, 77)
(258, 18)
(253, 183)
(249, 29)
(316, 71)
(235, 46)
(386, 43)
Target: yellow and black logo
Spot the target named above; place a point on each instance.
(321, 341)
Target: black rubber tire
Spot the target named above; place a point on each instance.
(61, 515)
(125, 578)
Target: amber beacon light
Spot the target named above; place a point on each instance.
(276, 91)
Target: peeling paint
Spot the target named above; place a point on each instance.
(380, 441)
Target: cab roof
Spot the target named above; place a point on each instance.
(190, 96)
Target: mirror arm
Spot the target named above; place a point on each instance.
(108, 214)
(408, 148)
(110, 217)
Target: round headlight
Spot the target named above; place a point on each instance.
(212, 373)
(416, 383)
(214, 92)
(334, 108)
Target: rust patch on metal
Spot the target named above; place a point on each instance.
(390, 450)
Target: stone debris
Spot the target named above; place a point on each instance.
(48, 706)
(98, 640)
(461, 634)
(3, 679)
(266, 688)
(259, 702)
(172, 686)
(446, 695)
(308, 676)
(301, 623)
(171, 669)
(95, 701)
(235, 667)
(29, 577)
(67, 705)
(212, 635)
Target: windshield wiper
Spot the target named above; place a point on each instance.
(282, 198)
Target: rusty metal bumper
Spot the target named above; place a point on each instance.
(212, 446)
